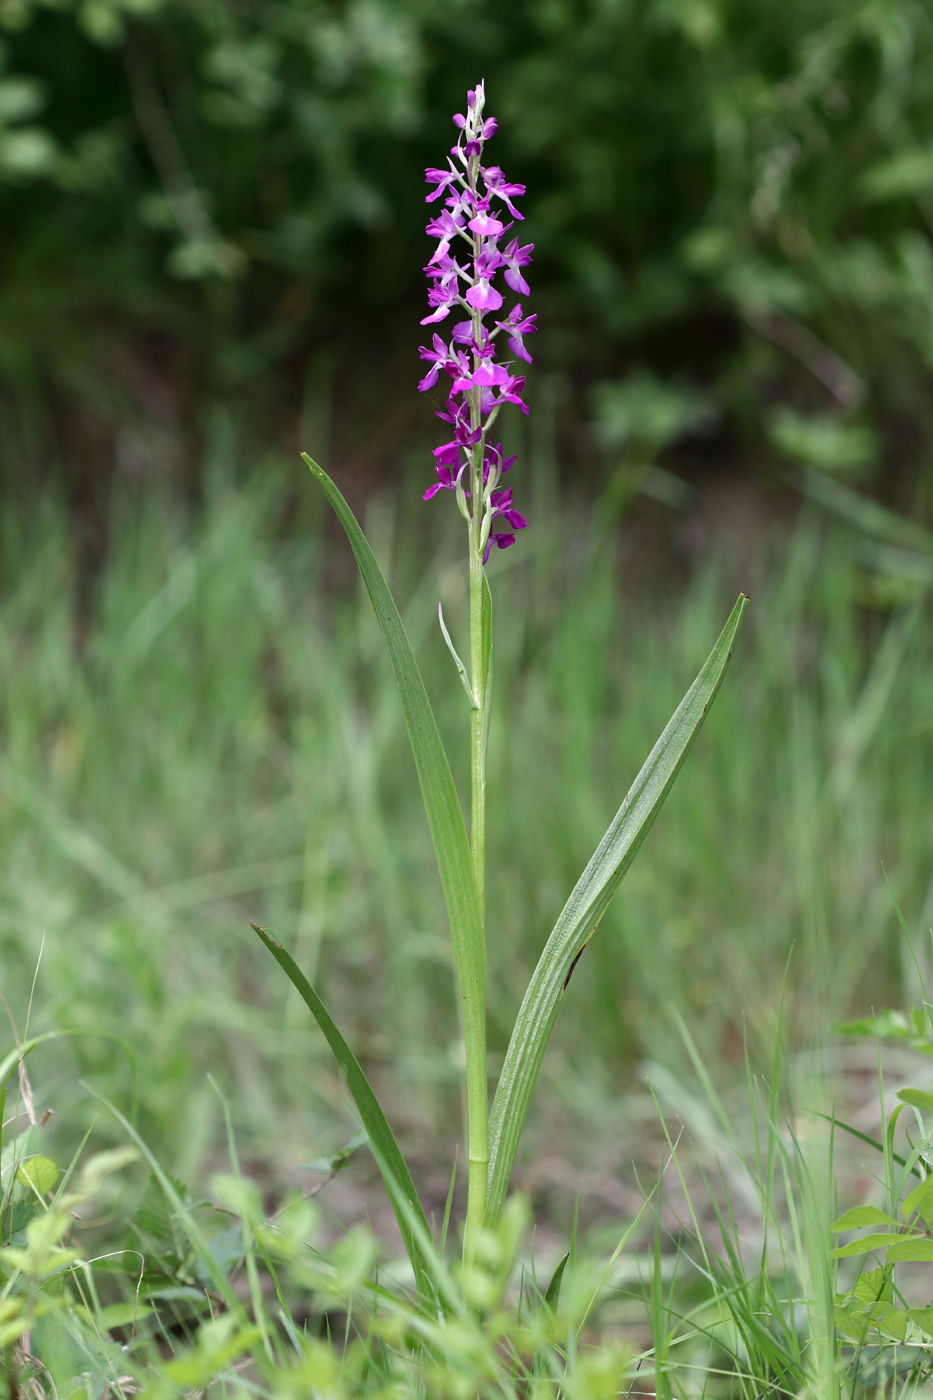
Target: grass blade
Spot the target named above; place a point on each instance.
(584, 909)
(392, 1164)
(552, 1296)
(445, 817)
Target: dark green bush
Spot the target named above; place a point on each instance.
(735, 194)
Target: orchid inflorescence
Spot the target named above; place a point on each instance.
(480, 385)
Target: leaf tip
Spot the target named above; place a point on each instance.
(265, 936)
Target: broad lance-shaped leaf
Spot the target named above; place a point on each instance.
(441, 802)
(585, 908)
(397, 1177)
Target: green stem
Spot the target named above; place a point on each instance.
(475, 1034)
(474, 1021)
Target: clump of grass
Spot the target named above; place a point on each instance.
(190, 1292)
(720, 1288)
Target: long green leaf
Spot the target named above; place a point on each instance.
(386, 1150)
(441, 802)
(585, 908)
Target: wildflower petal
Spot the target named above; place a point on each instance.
(484, 296)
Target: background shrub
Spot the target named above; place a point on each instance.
(731, 195)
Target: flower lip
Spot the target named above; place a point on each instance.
(485, 225)
(483, 296)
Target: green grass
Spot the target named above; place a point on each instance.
(229, 1290)
(209, 735)
(223, 1289)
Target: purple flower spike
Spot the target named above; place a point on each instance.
(478, 208)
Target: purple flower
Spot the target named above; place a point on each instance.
(515, 328)
(441, 357)
(513, 258)
(495, 184)
(443, 305)
(478, 207)
(494, 462)
(503, 511)
(446, 227)
(462, 333)
(484, 375)
(448, 454)
(446, 272)
(445, 482)
(441, 178)
(483, 295)
(510, 391)
(485, 225)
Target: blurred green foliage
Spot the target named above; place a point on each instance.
(735, 193)
(227, 747)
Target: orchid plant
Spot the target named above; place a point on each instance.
(476, 223)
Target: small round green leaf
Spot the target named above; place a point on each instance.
(39, 1173)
